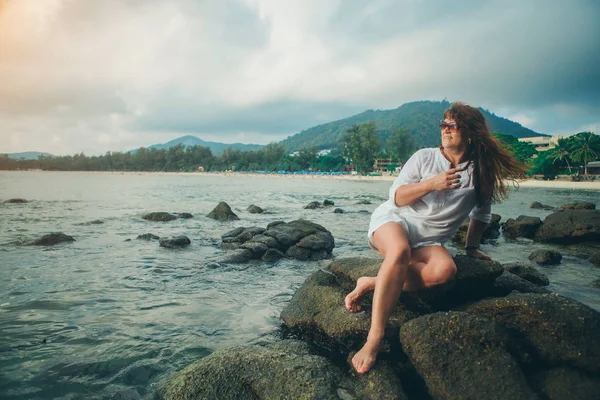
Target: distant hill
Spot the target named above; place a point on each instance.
(28, 155)
(216, 147)
(421, 118)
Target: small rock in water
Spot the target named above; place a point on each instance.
(539, 206)
(312, 205)
(159, 216)
(185, 215)
(148, 236)
(175, 242)
(338, 211)
(51, 239)
(328, 203)
(222, 212)
(364, 202)
(583, 205)
(16, 201)
(546, 257)
(252, 209)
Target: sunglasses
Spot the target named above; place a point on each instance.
(451, 125)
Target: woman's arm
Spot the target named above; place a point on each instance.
(409, 193)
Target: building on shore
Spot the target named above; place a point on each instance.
(542, 143)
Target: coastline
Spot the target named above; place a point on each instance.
(528, 183)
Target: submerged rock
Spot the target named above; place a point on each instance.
(147, 236)
(252, 209)
(546, 257)
(312, 205)
(16, 201)
(338, 211)
(175, 242)
(222, 212)
(159, 217)
(185, 215)
(51, 239)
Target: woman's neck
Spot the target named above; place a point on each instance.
(455, 157)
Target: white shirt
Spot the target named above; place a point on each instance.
(436, 216)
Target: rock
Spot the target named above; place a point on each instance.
(272, 255)
(232, 234)
(570, 226)
(312, 205)
(583, 205)
(148, 236)
(175, 242)
(238, 256)
(595, 258)
(185, 215)
(285, 370)
(249, 233)
(51, 239)
(256, 248)
(222, 212)
(545, 257)
(159, 216)
(338, 211)
(462, 356)
(275, 223)
(539, 206)
(528, 273)
(557, 330)
(523, 226)
(252, 209)
(566, 383)
(94, 222)
(492, 231)
(507, 283)
(328, 203)
(16, 201)
(317, 312)
(363, 202)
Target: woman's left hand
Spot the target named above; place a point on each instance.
(476, 253)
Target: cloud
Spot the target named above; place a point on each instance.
(115, 75)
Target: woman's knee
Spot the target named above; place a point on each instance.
(444, 271)
(400, 255)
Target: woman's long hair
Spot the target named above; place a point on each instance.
(492, 163)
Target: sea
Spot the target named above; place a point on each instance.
(111, 317)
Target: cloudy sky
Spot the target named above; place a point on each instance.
(94, 76)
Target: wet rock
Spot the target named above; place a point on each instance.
(272, 255)
(583, 205)
(328, 203)
(523, 226)
(539, 206)
(285, 370)
(94, 222)
(528, 273)
(312, 205)
(570, 226)
(252, 209)
(595, 258)
(51, 239)
(508, 283)
(274, 223)
(492, 231)
(566, 383)
(297, 237)
(256, 248)
(147, 236)
(556, 330)
(462, 356)
(175, 242)
(364, 202)
(238, 256)
(222, 212)
(159, 217)
(338, 211)
(185, 215)
(16, 201)
(545, 257)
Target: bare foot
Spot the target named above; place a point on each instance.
(366, 357)
(363, 285)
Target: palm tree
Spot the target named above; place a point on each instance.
(560, 153)
(587, 148)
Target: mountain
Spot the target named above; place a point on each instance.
(216, 147)
(421, 118)
(28, 155)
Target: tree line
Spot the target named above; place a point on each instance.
(358, 148)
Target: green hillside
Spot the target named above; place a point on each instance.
(421, 118)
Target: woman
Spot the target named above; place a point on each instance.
(434, 193)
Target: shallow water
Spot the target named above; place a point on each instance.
(118, 316)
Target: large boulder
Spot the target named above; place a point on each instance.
(222, 212)
(462, 356)
(284, 370)
(570, 226)
(51, 239)
(160, 217)
(555, 329)
(523, 226)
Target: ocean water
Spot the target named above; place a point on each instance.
(105, 317)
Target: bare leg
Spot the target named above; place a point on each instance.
(392, 241)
